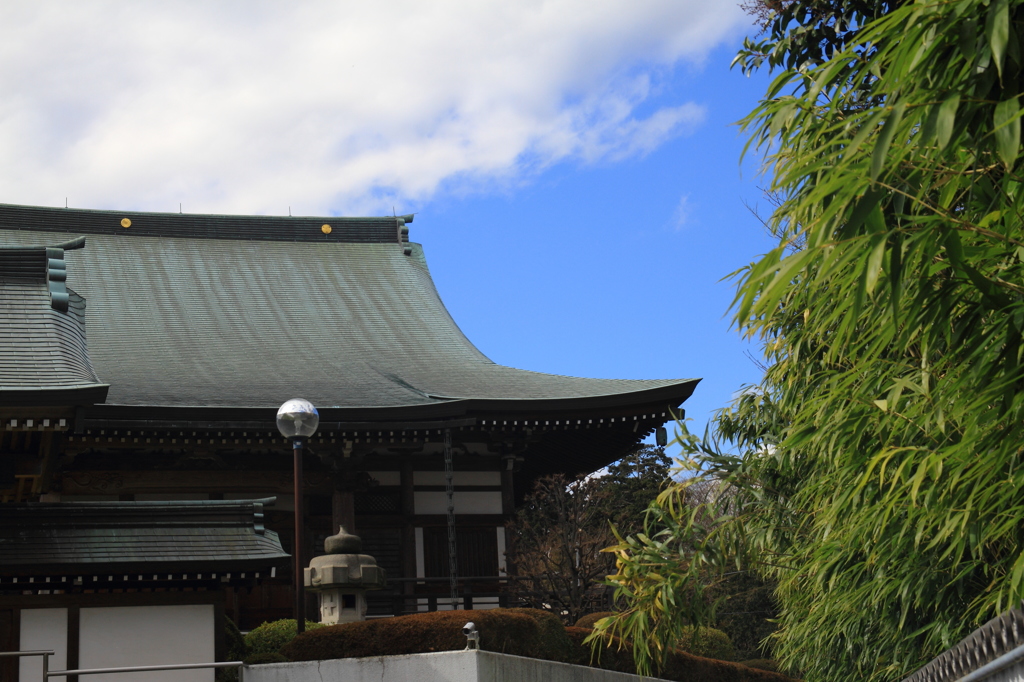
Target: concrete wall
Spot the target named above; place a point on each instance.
(444, 666)
(43, 629)
(147, 635)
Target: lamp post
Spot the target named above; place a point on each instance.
(297, 419)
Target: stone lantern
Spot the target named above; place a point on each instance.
(342, 577)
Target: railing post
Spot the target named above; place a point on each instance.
(46, 666)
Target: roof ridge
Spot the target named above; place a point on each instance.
(381, 229)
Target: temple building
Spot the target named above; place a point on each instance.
(143, 357)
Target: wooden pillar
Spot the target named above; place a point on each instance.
(508, 492)
(508, 506)
(408, 524)
(74, 637)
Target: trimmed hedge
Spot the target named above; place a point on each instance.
(269, 637)
(762, 664)
(588, 620)
(521, 632)
(707, 642)
(258, 659)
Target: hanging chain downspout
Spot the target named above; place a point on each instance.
(453, 557)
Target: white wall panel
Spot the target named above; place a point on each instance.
(458, 478)
(43, 629)
(465, 502)
(147, 635)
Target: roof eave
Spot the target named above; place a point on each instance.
(356, 418)
(87, 394)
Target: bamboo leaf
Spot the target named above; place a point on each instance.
(885, 139)
(1007, 131)
(997, 29)
(945, 119)
(877, 254)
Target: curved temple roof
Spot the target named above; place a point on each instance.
(237, 311)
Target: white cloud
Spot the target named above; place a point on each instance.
(681, 216)
(329, 106)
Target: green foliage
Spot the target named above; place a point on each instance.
(746, 609)
(679, 665)
(707, 642)
(631, 484)
(522, 632)
(879, 481)
(265, 657)
(269, 637)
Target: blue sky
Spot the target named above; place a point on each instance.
(616, 270)
(573, 164)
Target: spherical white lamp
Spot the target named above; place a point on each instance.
(297, 418)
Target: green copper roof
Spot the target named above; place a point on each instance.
(222, 311)
(38, 538)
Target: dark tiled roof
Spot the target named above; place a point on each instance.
(180, 319)
(44, 358)
(64, 537)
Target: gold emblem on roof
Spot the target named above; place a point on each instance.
(125, 222)
(326, 229)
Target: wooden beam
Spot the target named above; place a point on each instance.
(123, 482)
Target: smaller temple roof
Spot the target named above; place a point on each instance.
(75, 538)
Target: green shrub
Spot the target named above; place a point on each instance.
(270, 637)
(588, 620)
(258, 659)
(522, 632)
(707, 642)
(747, 616)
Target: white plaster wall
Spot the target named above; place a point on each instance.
(421, 562)
(43, 629)
(501, 549)
(458, 478)
(465, 502)
(444, 666)
(147, 635)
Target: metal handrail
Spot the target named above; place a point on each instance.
(47, 674)
(150, 668)
(40, 652)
